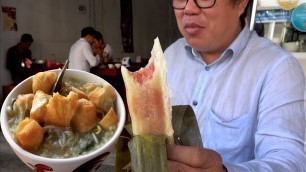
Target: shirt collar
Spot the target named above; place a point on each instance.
(240, 42)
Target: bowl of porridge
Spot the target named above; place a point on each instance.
(73, 129)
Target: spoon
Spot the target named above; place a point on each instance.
(58, 83)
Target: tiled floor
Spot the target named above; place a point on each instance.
(9, 162)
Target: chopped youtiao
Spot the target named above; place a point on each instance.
(80, 94)
(44, 81)
(103, 98)
(90, 87)
(85, 117)
(109, 119)
(29, 134)
(39, 109)
(23, 104)
(61, 109)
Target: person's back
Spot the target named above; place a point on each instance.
(16, 58)
(81, 56)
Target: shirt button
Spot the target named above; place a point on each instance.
(207, 68)
(195, 103)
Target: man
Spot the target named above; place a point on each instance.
(106, 49)
(18, 58)
(81, 56)
(247, 93)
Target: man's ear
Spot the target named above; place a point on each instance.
(242, 5)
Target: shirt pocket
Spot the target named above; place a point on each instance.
(231, 137)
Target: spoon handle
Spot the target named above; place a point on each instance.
(58, 82)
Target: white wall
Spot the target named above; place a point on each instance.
(150, 19)
(56, 25)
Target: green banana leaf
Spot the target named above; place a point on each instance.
(148, 153)
(185, 126)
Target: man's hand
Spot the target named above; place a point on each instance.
(98, 51)
(192, 159)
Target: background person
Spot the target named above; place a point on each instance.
(81, 55)
(18, 59)
(100, 44)
(247, 93)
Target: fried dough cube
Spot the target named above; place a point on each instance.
(109, 119)
(29, 134)
(60, 109)
(39, 109)
(43, 81)
(85, 117)
(80, 94)
(103, 98)
(89, 87)
(23, 104)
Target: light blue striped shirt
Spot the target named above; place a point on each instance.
(249, 103)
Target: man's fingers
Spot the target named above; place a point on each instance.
(174, 166)
(194, 156)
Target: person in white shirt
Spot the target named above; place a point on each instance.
(81, 55)
(100, 45)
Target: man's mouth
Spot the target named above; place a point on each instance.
(193, 28)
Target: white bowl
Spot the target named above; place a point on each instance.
(40, 61)
(90, 160)
(111, 66)
(117, 65)
(291, 46)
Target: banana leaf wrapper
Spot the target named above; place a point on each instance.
(148, 153)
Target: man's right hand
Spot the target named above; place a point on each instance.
(98, 51)
(193, 159)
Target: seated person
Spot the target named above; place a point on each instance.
(100, 44)
(18, 58)
(81, 56)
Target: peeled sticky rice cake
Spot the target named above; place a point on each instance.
(148, 96)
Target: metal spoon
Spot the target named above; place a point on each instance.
(58, 83)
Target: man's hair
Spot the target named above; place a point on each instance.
(98, 36)
(88, 31)
(26, 38)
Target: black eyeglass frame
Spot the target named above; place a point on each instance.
(195, 1)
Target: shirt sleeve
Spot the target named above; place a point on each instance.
(14, 60)
(91, 59)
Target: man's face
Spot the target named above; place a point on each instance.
(90, 39)
(26, 45)
(210, 30)
(97, 43)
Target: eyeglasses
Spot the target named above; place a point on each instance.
(181, 4)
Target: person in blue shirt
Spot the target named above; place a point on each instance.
(247, 93)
